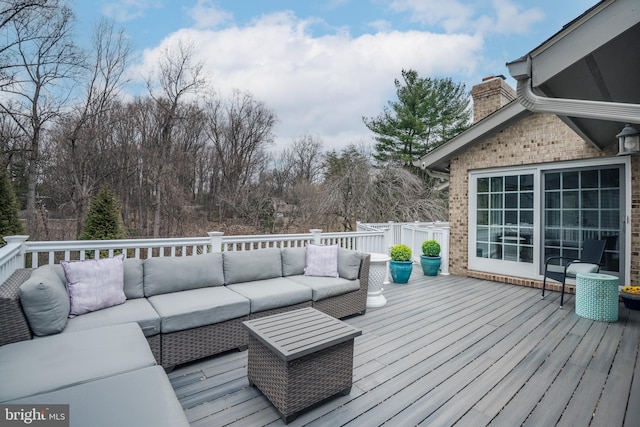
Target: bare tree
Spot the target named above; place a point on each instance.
(239, 130)
(43, 61)
(306, 157)
(89, 126)
(177, 77)
(347, 185)
(399, 195)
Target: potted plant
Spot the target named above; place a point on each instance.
(631, 297)
(430, 258)
(400, 265)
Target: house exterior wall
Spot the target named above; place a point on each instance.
(536, 138)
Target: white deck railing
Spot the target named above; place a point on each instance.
(20, 252)
(414, 234)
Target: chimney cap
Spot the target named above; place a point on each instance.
(501, 76)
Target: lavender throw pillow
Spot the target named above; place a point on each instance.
(94, 284)
(321, 261)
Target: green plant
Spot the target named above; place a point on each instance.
(103, 221)
(9, 220)
(431, 248)
(400, 252)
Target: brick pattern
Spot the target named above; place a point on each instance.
(536, 138)
(490, 96)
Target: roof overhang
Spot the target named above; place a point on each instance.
(587, 73)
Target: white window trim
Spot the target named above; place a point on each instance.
(532, 270)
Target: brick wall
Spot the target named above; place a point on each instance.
(536, 138)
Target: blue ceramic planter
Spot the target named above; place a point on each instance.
(400, 270)
(430, 265)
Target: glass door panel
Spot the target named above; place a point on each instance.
(583, 204)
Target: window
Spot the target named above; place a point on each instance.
(504, 217)
(519, 216)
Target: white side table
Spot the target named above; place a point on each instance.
(378, 276)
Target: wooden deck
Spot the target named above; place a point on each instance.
(452, 350)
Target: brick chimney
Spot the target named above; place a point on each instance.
(490, 95)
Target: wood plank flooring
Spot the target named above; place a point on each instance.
(450, 350)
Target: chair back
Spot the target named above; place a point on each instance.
(592, 251)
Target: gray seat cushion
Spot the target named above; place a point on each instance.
(272, 293)
(246, 266)
(172, 274)
(198, 307)
(137, 310)
(139, 398)
(325, 287)
(63, 360)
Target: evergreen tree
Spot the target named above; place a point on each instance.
(103, 221)
(428, 112)
(9, 221)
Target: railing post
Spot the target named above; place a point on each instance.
(216, 240)
(18, 240)
(444, 267)
(393, 236)
(387, 240)
(317, 238)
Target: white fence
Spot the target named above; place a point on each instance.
(20, 253)
(414, 234)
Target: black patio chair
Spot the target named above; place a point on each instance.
(589, 262)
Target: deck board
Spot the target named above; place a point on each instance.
(451, 350)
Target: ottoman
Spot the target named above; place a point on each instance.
(299, 358)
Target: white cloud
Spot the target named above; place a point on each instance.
(452, 15)
(127, 10)
(206, 14)
(510, 19)
(321, 85)
(504, 16)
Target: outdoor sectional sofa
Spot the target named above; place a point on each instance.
(185, 308)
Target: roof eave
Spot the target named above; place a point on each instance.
(438, 158)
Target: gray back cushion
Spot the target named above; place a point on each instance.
(247, 266)
(133, 278)
(45, 301)
(348, 263)
(163, 275)
(293, 261)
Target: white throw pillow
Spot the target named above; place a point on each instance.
(94, 284)
(321, 261)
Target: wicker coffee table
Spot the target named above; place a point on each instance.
(300, 358)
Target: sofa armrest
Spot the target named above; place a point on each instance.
(363, 274)
(13, 323)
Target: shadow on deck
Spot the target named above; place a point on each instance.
(453, 350)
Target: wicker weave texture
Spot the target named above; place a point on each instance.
(192, 344)
(296, 385)
(597, 297)
(13, 324)
(277, 311)
(351, 303)
(156, 347)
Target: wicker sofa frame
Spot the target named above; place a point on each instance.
(171, 349)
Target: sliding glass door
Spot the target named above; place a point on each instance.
(581, 204)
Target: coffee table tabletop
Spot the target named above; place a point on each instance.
(298, 333)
